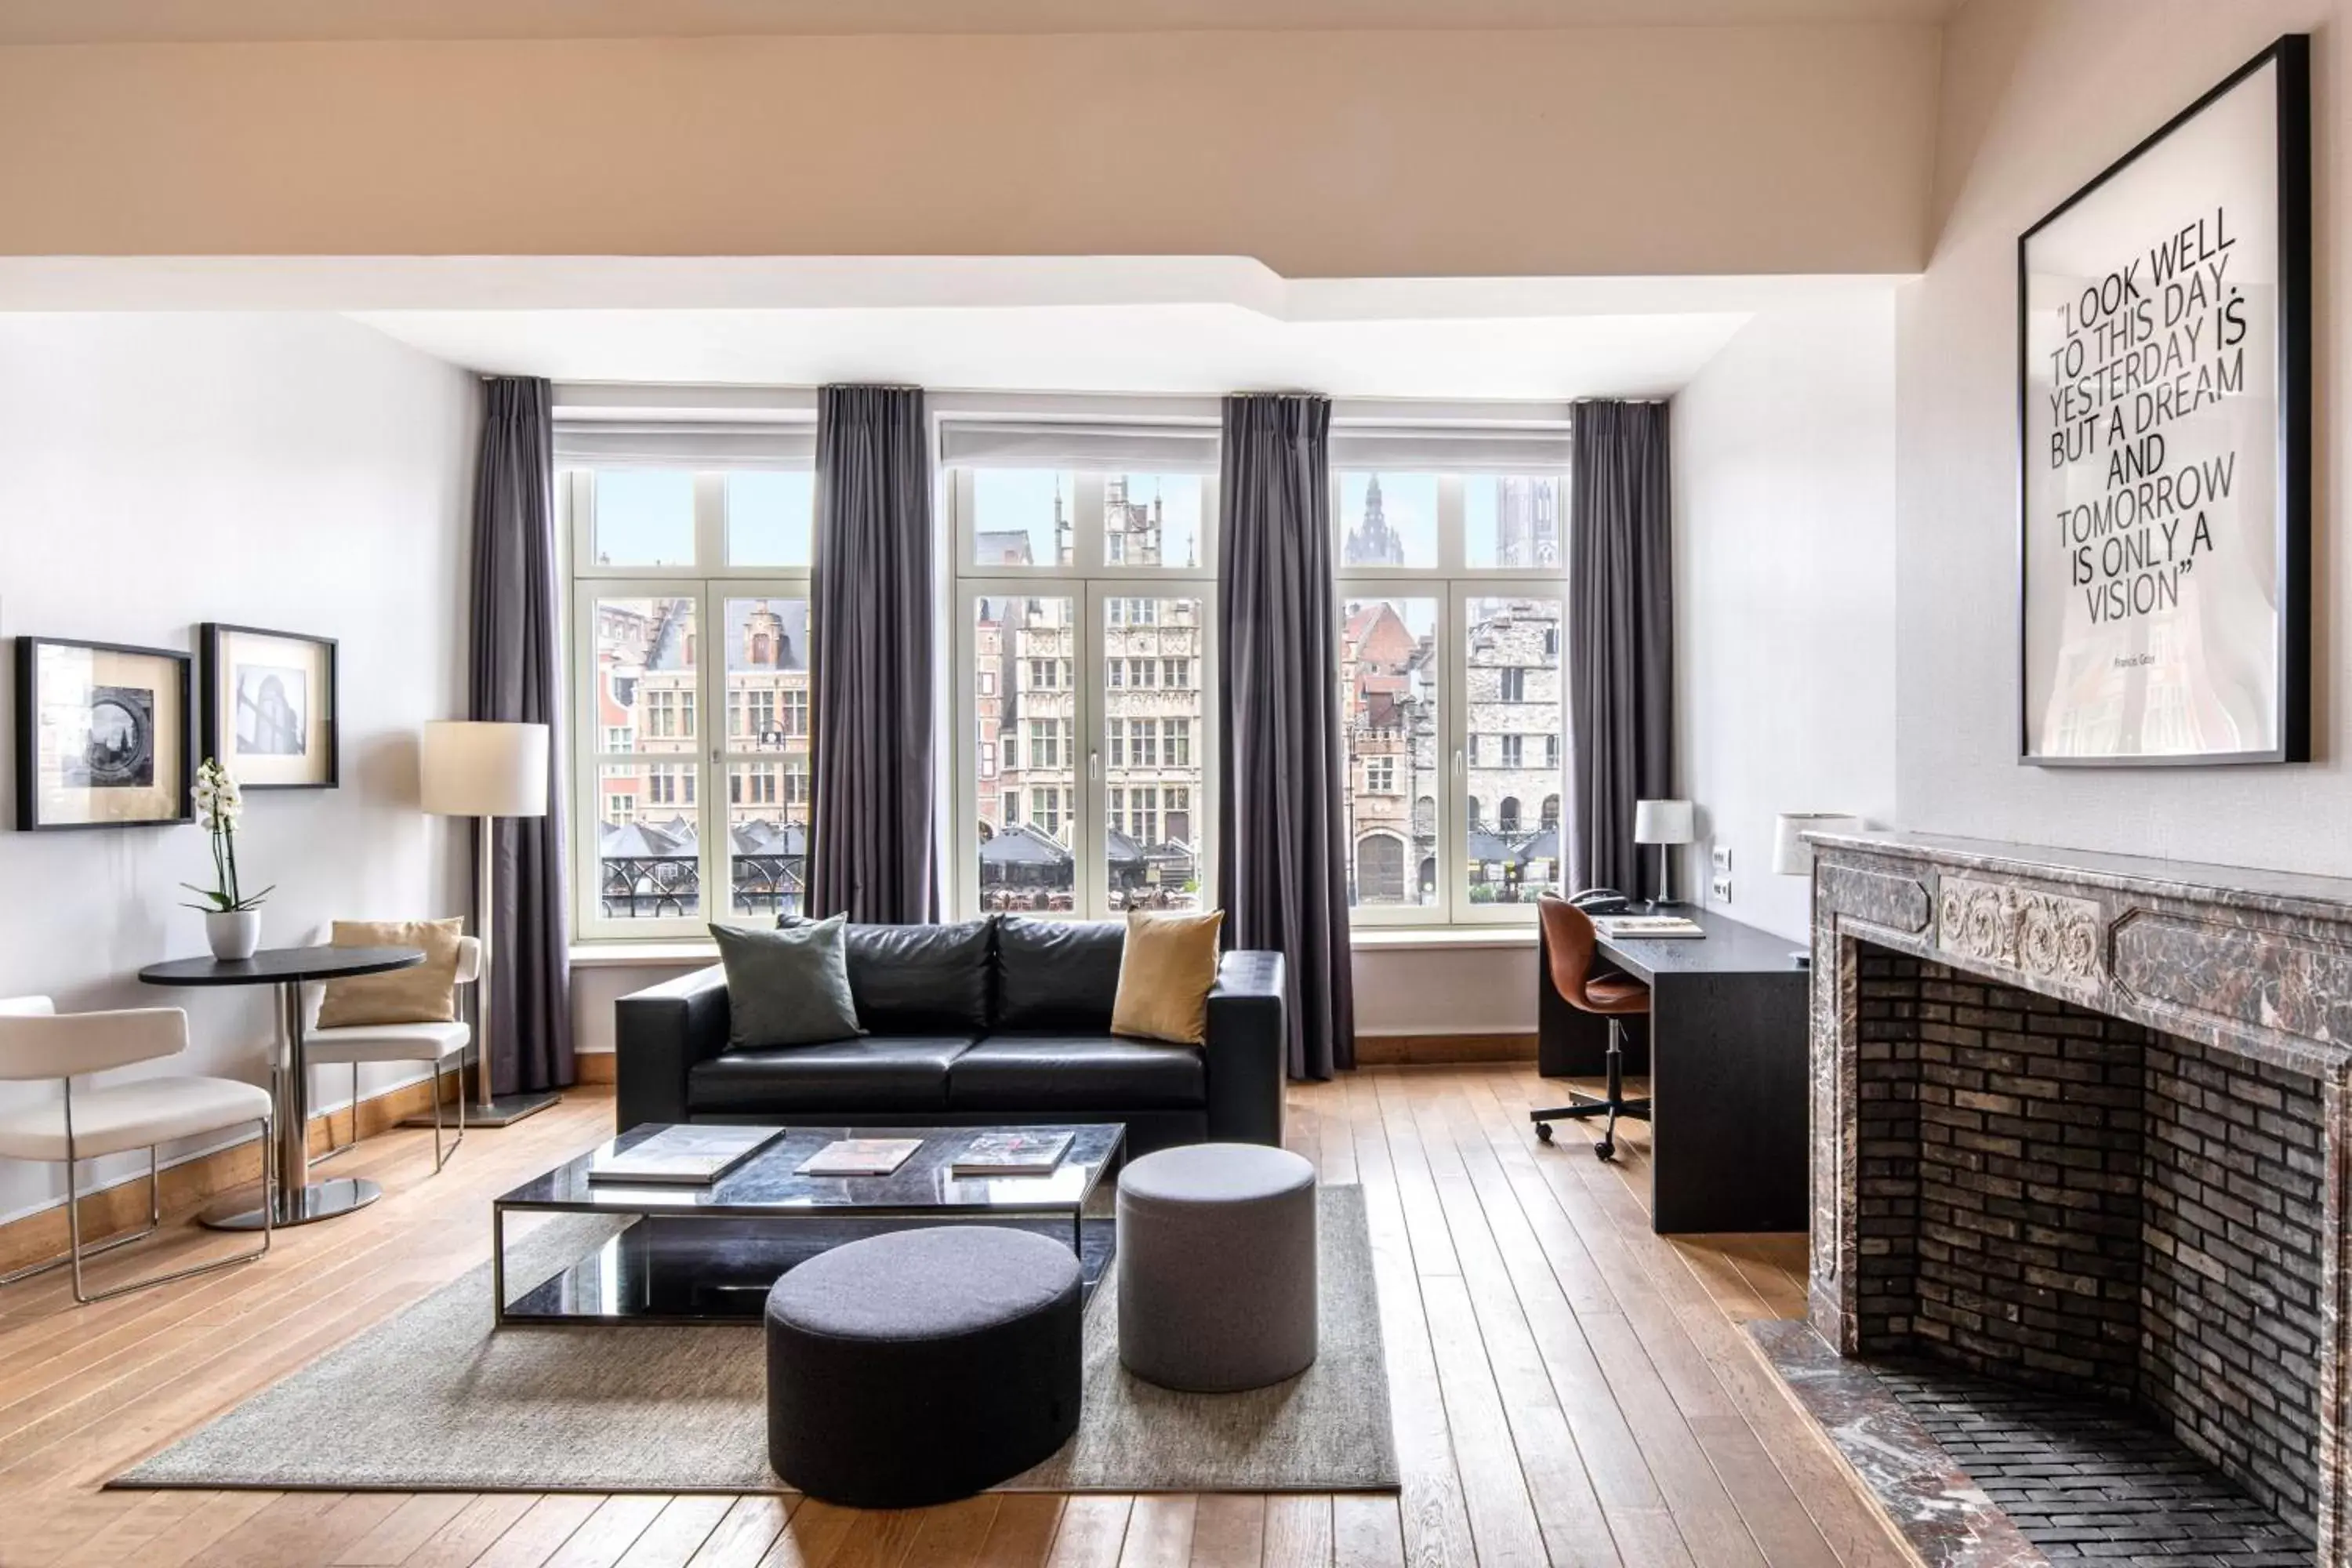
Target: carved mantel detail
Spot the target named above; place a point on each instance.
(2046, 935)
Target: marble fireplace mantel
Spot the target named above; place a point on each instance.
(2255, 964)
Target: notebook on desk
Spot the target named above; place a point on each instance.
(1647, 928)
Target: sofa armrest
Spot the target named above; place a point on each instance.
(1247, 1049)
(659, 1034)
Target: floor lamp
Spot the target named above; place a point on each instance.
(487, 771)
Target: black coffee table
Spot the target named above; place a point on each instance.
(691, 1255)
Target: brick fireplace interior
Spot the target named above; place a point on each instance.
(2048, 1193)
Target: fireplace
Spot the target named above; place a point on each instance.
(2079, 1130)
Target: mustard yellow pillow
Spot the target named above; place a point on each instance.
(426, 993)
(1165, 972)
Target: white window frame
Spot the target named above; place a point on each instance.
(1093, 583)
(1453, 583)
(710, 586)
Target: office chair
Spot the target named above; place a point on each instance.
(1570, 939)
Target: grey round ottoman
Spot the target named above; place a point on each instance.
(922, 1365)
(1216, 1267)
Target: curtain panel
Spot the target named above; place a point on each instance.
(1280, 860)
(518, 678)
(871, 849)
(1622, 638)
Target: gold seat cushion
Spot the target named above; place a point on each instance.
(1165, 972)
(423, 993)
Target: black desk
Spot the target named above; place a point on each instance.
(1725, 1051)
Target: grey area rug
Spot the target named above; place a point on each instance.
(433, 1399)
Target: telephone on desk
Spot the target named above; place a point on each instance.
(1602, 901)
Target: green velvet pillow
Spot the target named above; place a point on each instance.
(787, 988)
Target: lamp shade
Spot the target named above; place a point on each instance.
(475, 769)
(1661, 822)
(1792, 855)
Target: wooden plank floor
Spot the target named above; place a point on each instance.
(1568, 1387)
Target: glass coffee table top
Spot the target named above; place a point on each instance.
(694, 1254)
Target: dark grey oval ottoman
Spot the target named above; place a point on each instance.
(1216, 1267)
(922, 1365)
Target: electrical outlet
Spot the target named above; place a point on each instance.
(1721, 887)
(1722, 859)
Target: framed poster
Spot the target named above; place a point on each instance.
(269, 706)
(102, 735)
(2164, 407)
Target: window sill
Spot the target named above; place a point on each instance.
(1436, 938)
(688, 953)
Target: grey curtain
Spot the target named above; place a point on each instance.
(1622, 638)
(518, 679)
(870, 833)
(1280, 781)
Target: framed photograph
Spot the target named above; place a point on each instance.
(269, 707)
(2164, 410)
(103, 735)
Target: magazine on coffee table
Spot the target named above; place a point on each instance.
(1012, 1154)
(690, 1156)
(859, 1157)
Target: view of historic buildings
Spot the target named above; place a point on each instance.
(1150, 764)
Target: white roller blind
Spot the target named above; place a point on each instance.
(634, 444)
(1449, 449)
(1105, 448)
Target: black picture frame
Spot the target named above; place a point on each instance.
(179, 781)
(2291, 55)
(211, 640)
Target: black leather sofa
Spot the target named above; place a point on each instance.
(1002, 1020)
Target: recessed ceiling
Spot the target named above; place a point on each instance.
(1167, 349)
(1170, 325)
(226, 21)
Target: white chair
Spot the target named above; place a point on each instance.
(37, 1042)
(356, 1043)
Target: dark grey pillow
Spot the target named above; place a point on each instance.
(788, 987)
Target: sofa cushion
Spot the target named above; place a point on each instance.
(894, 1073)
(786, 987)
(1060, 975)
(1090, 1073)
(921, 979)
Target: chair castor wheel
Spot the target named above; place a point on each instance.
(1543, 1131)
(1605, 1148)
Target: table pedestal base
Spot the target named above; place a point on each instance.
(297, 1205)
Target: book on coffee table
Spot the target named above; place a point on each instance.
(859, 1157)
(689, 1156)
(1012, 1154)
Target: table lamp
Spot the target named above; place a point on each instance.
(1793, 856)
(485, 771)
(1662, 823)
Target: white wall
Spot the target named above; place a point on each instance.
(2037, 98)
(295, 472)
(1784, 590)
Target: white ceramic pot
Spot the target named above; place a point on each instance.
(232, 934)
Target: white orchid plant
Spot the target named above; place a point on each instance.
(219, 803)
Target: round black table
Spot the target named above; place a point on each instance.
(299, 1200)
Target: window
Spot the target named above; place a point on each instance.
(690, 688)
(1104, 603)
(1452, 690)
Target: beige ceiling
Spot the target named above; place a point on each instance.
(199, 21)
